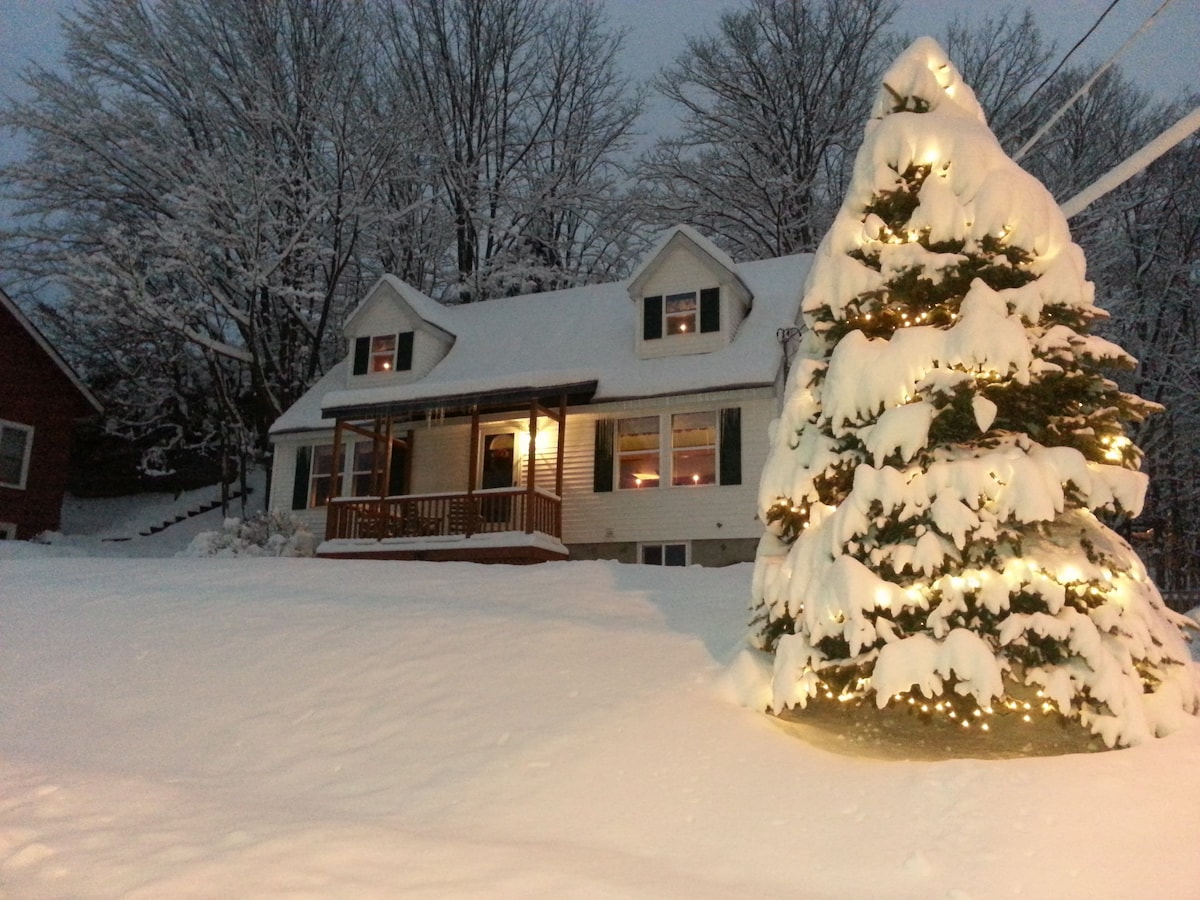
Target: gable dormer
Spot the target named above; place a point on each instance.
(395, 336)
(688, 295)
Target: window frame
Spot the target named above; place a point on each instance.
(26, 458)
(382, 354)
(314, 475)
(690, 315)
(704, 315)
(726, 450)
(714, 447)
(664, 547)
(620, 456)
(369, 357)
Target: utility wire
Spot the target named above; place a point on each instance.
(1079, 43)
(1087, 85)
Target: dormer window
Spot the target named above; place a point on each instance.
(383, 353)
(681, 314)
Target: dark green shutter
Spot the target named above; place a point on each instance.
(300, 484)
(710, 309)
(731, 445)
(404, 348)
(602, 460)
(362, 355)
(652, 318)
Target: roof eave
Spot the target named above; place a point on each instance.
(493, 400)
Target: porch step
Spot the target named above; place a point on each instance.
(159, 527)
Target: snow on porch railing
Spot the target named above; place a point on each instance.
(429, 515)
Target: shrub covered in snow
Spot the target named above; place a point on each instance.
(948, 437)
(264, 534)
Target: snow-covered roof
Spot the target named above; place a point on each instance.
(572, 337)
(719, 256)
(425, 307)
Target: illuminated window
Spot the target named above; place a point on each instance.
(637, 452)
(664, 554)
(383, 353)
(680, 313)
(16, 445)
(694, 448)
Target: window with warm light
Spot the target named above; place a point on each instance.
(682, 314)
(383, 353)
(680, 311)
(694, 448)
(637, 452)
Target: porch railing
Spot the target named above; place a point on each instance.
(429, 515)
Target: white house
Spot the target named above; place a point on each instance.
(622, 421)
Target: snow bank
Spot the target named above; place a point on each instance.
(310, 728)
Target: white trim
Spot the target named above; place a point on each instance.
(26, 453)
(8, 531)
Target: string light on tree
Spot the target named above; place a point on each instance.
(949, 436)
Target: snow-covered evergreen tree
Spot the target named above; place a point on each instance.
(947, 441)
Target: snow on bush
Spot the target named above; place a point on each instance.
(948, 437)
(264, 534)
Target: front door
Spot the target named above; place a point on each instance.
(499, 471)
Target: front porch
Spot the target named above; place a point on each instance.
(509, 525)
(510, 510)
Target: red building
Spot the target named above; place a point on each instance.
(41, 398)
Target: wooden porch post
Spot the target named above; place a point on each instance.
(562, 444)
(531, 466)
(474, 450)
(387, 457)
(335, 477)
(332, 511)
(558, 469)
(470, 517)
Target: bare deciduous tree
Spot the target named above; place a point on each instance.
(527, 120)
(772, 105)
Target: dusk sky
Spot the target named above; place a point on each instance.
(1166, 59)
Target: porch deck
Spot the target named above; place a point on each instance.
(511, 525)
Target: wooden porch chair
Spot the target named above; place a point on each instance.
(463, 516)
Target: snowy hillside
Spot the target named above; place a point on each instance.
(303, 728)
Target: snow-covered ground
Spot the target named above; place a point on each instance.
(306, 728)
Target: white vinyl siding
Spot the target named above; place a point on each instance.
(441, 457)
(681, 270)
(388, 314)
(669, 513)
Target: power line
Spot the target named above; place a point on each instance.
(1086, 86)
(1079, 43)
